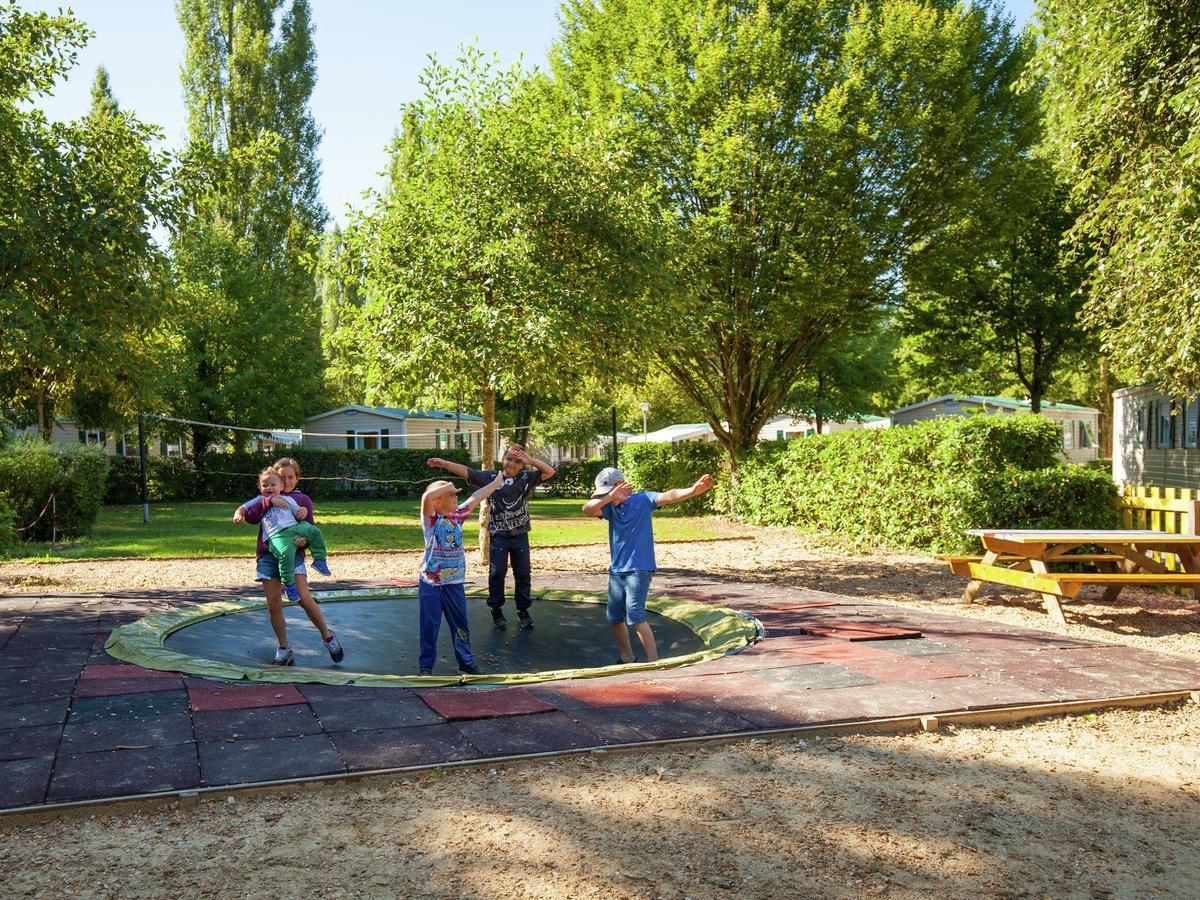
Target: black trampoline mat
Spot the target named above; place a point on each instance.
(380, 637)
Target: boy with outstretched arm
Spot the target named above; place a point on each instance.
(629, 514)
(440, 591)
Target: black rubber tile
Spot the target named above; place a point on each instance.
(30, 674)
(352, 692)
(385, 748)
(243, 762)
(114, 773)
(121, 733)
(35, 691)
(25, 743)
(527, 734)
(43, 712)
(690, 718)
(608, 728)
(916, 647)
(398, 711)
(822, 676)
(23, 781)
(248, 724)
(32, 640)
(32, 658)
(128, 706)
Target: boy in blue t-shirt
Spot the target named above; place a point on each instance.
(631, 544)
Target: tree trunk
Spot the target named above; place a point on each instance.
(489, 460)
(45, 423)
(1104, 436)
(820, 415)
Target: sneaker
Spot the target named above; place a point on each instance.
(334, 646)
(292, 593)
(498, 618)
(620, 662)
(525, 618)
(321, 566)
(283, 656)
(469, 670)
(426, 671)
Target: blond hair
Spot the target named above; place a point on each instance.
(267, 472)
(286, 462)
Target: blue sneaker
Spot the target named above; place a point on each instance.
(321, 566)
(292, 593)
(334, 646)
(283, 656)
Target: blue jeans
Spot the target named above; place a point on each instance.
(267, 568)
(449, 600)
(627, 596)
(503, 550)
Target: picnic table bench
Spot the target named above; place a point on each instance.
(1022, 558)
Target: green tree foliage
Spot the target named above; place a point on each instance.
(501, 255)
(80, 273)
(854, 375)
(246, 342)
(1009, 311)
(104, 103)
(341, 301)
(807, 155)
(1122, 99)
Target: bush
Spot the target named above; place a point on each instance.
(924, 485)
(327, 474)
(8, 517)
(574, 479)
(32, 470)
(663, 467)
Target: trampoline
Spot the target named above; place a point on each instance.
(571, 639)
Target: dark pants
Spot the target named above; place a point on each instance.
(436, 601)
(504, 549)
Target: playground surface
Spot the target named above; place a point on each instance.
(77, 725)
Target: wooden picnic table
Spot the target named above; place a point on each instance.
(1022, 558)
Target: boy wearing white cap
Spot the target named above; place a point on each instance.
(629, 514)
(440, 590)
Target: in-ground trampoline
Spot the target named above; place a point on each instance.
(571, 639)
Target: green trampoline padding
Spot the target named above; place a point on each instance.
(233, 639)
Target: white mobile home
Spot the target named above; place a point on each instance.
(388, 428)
(1156, 438)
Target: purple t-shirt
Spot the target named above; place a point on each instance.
(254, 517)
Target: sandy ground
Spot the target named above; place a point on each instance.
(1089, 806)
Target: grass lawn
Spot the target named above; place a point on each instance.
(206, 529)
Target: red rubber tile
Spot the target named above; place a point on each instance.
(603, 695)
(859, 631)
(122, 670)
(720, 687)
(839, 652)
(788, 607)
(903, 668)
(483, 704)
(111, 687)
(237, 697)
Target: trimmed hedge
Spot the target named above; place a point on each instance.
(327, 474)
(31, 470)
(663, 467)
(574, 479)
(923, 486)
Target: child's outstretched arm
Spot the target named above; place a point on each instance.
(251, 511)
(680, 494)
(484, 492)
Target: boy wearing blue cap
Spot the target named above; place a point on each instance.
(629, 514)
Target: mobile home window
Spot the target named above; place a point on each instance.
(1068, 435)
(1164, 424)
(1191, 418)
(92, 436)
(1087, 439)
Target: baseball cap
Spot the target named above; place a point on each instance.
(608, 479)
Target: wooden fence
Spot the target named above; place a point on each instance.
(1170, 510)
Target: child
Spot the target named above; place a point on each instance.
(281, 523)
(631, 546)
(440, 590)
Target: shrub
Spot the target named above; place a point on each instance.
(574, 479)
(924, 485)
(663, 467)
(32, 470)
(8, 517)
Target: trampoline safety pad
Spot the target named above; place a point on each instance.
(571, 639)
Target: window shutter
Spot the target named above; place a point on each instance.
(82, 436)
(349, 439)
(384, 441)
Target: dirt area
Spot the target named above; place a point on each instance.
(1091, 806)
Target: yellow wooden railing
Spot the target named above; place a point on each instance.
(1171, 510)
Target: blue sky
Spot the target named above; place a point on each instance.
(369, 56)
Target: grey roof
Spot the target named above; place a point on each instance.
(1006, 402)
(396, 412)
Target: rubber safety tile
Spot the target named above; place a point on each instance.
(393, 709)
(249, 724)
(664, 721)
(608, 725)
(43, 712)
(902, 668)
(110, 687)
(823, 676)
(231, 697)
(128, 706)
(35, 691)
(385, 748)
(115, 773)
(526, 734)
(24, 781)
(455, 704)
(270, 759)
(123, 670)
(127, 734)
(602, 695)
(25, 743)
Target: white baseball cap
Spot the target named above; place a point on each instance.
(608, 479)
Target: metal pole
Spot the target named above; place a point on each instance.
(142, 464)
(645, 409)
(614, 429)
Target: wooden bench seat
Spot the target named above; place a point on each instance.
(960, 565)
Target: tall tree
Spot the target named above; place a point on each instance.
(80, 272)
(249, 339)
(804, 153)
(853, 376)
(1122, 98)
(103, 101)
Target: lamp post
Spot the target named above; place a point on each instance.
(645, 409)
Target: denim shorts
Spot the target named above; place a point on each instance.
(627, 596)
(268, 568)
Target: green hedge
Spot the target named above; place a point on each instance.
(327, 474)
(924, 485)
(32, 470)
(574, 479)
(663, 467)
